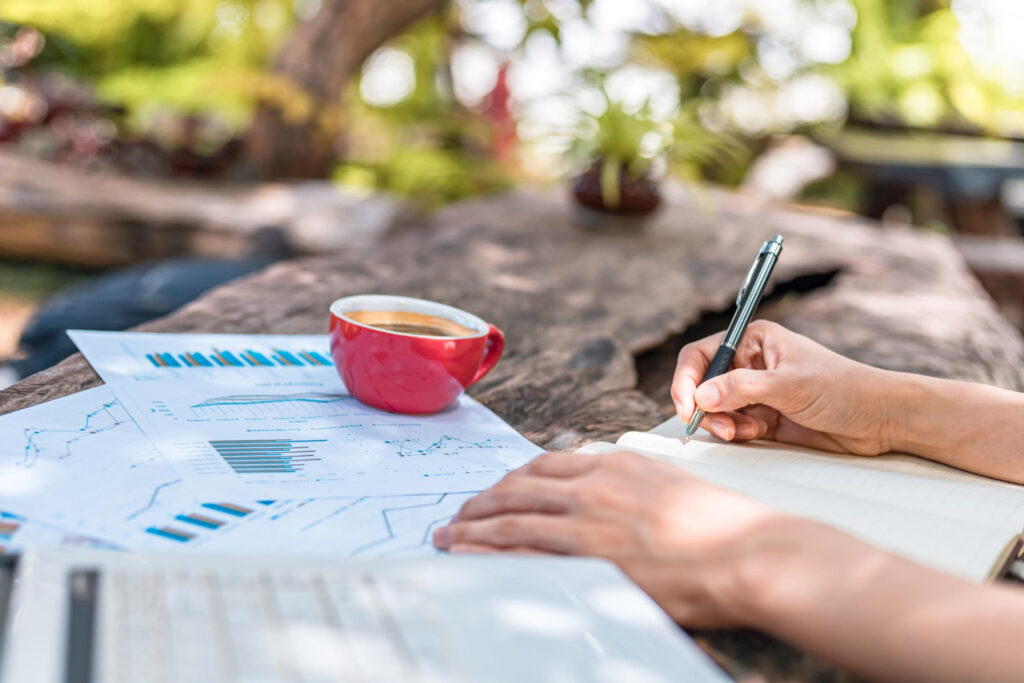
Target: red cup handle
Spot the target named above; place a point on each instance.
(492, 352)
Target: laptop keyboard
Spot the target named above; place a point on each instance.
(181, 626)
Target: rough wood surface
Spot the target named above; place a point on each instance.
(53, 212)
(999, 265)
(594, 320)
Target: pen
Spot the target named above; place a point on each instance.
(746, 303)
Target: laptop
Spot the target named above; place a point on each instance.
(99, 617)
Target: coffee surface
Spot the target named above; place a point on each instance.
(407, 322)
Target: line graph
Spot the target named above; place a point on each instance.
(152, 499)
(446, 445)
(108, 416)
(80, 465)
(258, 399)
(262, 406)
(407, 526)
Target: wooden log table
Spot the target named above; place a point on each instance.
(594, 321)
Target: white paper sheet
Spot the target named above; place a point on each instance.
(78, 471)
(266, 416)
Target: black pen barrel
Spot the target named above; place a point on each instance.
(721, 363)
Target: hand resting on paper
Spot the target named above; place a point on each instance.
(711, 557)
(787, 388)
(676, 535)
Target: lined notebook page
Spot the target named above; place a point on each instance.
(962, 547)
(971, 498)
(898, 462)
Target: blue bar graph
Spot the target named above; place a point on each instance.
(258, 357)
(267, 456)
(230, 358)
(288, 358)
(199, 520)
(240, 358)
(170, 533)
(228, 509)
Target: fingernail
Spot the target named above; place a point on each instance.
(707, 396)
(443, 537)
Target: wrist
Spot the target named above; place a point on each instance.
(895, 398)
(918, 415)
(790, 568)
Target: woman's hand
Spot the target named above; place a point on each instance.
(679, 538)
(788, 388)
(713, 558)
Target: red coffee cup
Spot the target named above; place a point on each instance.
(406, 371)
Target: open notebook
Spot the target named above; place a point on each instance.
(936, 515)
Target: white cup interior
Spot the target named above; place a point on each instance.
(385, 302)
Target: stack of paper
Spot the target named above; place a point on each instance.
(238, 444)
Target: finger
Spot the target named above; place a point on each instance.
(559, 465)
(748, 427)
(694, 361)
(518, 494)
(740, 388)
(720, 425)
(480, 548)
(766, 418)
(540, 532)
(734, 426)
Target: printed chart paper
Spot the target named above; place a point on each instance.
(78, 472)
(266, 416)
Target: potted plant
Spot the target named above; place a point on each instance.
(623, 152)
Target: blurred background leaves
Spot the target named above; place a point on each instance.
(465, 101)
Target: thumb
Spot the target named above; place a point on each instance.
(737, 389)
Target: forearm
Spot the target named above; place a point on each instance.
(875, 614)
(974, 427)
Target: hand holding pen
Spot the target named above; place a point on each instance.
(747, 300)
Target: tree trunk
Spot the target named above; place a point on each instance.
(296, 137)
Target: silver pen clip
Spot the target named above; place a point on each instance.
(750, 275)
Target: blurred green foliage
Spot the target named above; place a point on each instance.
(30, 281)
(211, 57)
(189, 56)
(908, 66)
(425, 146)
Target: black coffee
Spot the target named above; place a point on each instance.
(417, 324)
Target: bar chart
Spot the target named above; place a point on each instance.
(7, 530)
(267, 456)
(189, 526)
(223, 358)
